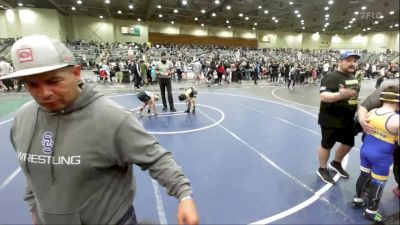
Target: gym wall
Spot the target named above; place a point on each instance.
(26, 21)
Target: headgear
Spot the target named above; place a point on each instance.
(182, 97)
(390, 94)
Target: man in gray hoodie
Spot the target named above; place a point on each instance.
(76, 147)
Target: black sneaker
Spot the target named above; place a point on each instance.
(187, 111)
(172, 109)
(164, 109)
(325, 175)
(376, 217)
(358, 202)
(339, 169)
(194, 110)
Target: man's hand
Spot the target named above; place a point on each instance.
(35, 220)
(368, 129)
(362, 114)
(346, 93)
(187, 213)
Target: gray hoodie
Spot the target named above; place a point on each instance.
(78, 162)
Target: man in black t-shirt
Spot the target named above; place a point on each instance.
(339, 94)
(286, 71)
(274, 71)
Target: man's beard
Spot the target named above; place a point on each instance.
(348, 70)
(351, 70)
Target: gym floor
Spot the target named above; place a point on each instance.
(250, 152)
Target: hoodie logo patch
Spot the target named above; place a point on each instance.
(47, 143)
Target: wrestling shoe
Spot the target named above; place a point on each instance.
(358, 202)
(376, 217)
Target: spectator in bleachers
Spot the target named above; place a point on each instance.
(118, 72)
(107, 70)
(247, 71)
(292, 77)
(274, 67)
(367, 70)
(135, 71)
(359, 75)
(373, 70)
(314, 75)
(102, 75)
(286, 71)
(5, 69)
(143, 71)
(325, 69)
(178, 66)
(153, 74)
(196, 67)
(324, 60)
(184, 74)
(381, 77)
(220, 72)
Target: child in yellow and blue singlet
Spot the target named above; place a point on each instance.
(377, 153)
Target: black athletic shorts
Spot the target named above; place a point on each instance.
(143, 97)
(343, 135)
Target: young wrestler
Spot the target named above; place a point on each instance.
(149, 99)
(190, 96)
(377, 152)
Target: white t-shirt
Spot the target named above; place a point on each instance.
(326, 67)
(196, 67)
(178, 65)
(164, 69)
(5, 68)
(382, 71)
(373, 68)
(149, 93)
(121, 65)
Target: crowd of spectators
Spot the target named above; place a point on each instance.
(131, 62)
(218, 65)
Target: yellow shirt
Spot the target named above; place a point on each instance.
(378, 121)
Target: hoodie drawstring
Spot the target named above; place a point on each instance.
(30, 142)
(53, 178)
